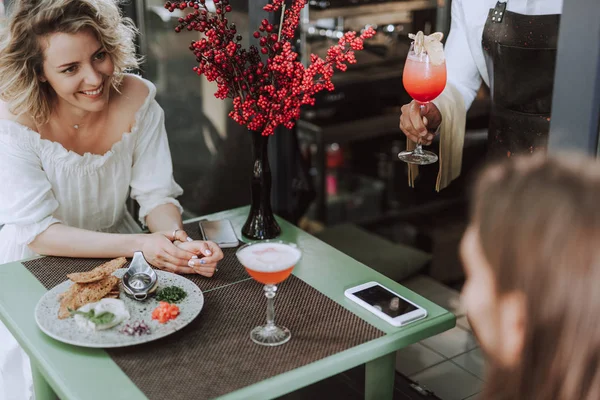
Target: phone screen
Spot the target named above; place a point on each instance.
(385, 301)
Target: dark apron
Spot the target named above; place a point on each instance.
(520, 53)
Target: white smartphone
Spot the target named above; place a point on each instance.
(221, 232)
(386, 304)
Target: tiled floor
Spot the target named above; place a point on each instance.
(449, 364)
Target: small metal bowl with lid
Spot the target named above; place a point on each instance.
(140, 280)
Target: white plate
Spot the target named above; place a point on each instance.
(67, 331)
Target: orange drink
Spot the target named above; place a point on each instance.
(270, 263)
(270, 278)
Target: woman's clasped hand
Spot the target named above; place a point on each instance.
(182, 255)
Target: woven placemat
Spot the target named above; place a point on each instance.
(51, 271)
(214, 354)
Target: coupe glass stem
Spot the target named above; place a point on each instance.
(270, 291)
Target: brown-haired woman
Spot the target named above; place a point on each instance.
(532, 259)
(78, 136)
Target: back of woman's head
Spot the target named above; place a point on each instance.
(22, 46)
(539, 227)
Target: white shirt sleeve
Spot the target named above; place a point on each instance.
(26, 199)
(152, 182)
(463, 83)
(463, 73)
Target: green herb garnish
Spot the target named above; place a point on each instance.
(100, 319)
(171, 294)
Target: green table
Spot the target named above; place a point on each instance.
(64, 370)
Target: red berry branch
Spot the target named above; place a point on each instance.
(265, 94)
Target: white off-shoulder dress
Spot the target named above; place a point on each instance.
(42, 183)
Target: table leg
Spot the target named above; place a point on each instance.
(379, 378)
(41, 388)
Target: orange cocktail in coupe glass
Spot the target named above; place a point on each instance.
(423, 81)
(270, 263)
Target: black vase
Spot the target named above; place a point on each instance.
(261, 223)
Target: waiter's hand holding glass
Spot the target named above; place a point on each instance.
(424, 78)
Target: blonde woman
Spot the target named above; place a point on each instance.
(532, 261)
(78, 136)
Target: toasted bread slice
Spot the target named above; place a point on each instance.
(80, 294)
(70, 292)
(98, 273)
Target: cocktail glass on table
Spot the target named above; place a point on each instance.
(270, 263)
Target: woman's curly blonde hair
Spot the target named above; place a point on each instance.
(21, 51)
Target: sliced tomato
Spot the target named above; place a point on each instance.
(165, 312)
